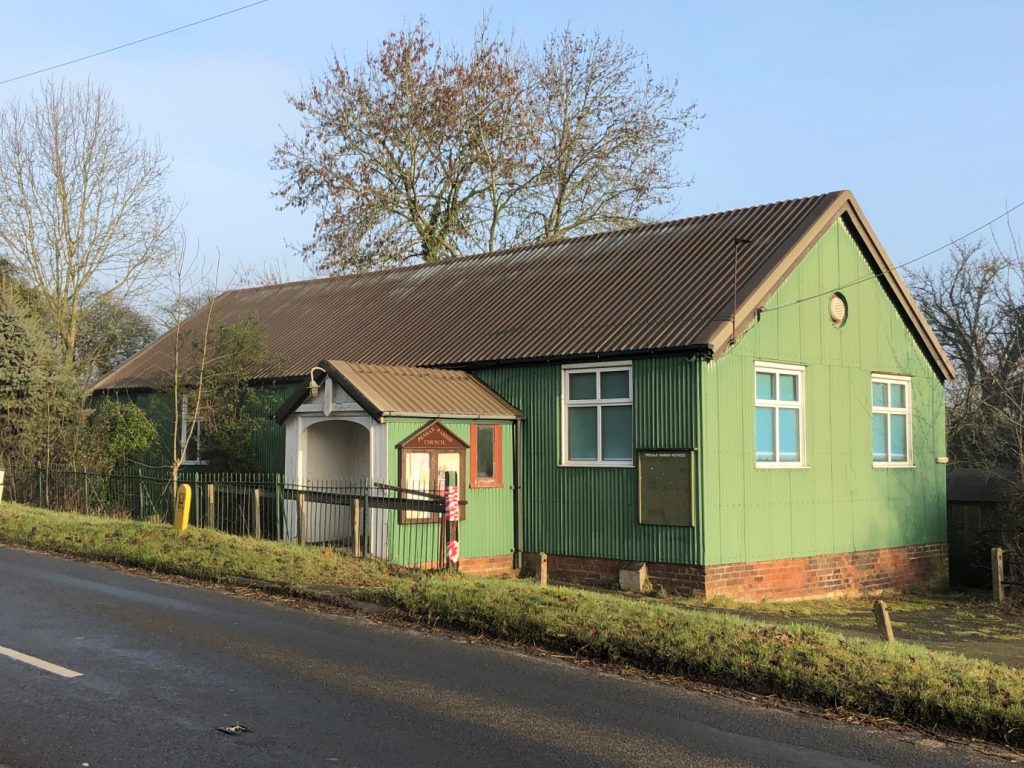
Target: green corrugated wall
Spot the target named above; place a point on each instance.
(839, 502)
(592, 511)
(743, 513)
(488, 527)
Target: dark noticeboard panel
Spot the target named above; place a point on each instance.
(665, 481)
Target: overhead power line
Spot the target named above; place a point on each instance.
(907, 263)
(133, 42)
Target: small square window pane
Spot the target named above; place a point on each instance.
(898, 437)
(583, 386)
(788, 387)
(879, 394)
(764, 433)
(617, 433)
(897, 396)
(789, 434)
(765, 386)
(583, 433)
(614, 385)
(485, 452)
(879, 437)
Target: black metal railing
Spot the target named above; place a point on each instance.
(398, 525)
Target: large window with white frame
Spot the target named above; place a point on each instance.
(890, 421)
(779, 415)
(597, 414)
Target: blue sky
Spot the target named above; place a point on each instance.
(915, 106)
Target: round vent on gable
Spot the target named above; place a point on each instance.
(837, 309)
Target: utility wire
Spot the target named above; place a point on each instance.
(875, 275)
(133, 42)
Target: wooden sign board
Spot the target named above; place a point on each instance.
(434, 437)
(665, 487)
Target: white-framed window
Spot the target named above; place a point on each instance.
(779, 415)
(597, 414)
(190, 436)
(890, 421)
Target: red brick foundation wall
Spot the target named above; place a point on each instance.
(844, 573)
(497, 565)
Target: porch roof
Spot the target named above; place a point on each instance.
(394, 390)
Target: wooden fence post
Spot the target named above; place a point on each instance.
(357, 528)
(883, 621)
(257, 531)
(300, 517)
(998, 592)
(211, 498)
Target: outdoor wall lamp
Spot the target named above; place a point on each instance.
(314, 386)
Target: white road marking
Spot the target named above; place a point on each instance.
(39, 663)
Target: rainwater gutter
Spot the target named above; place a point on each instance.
(517, 492)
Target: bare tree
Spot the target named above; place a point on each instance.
(975, 304)
(388, 151)
(608, 133)
(83, 211)
(191, 354)
(423, 152)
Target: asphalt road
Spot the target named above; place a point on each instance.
(161, 666)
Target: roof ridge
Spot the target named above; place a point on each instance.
(648, 225)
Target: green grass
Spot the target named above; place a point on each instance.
(804, 663)
(197, 552)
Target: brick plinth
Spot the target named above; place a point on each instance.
(844, 573)
(497, 565)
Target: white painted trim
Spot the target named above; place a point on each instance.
(599, 402)
(788, 369)
(888, 410)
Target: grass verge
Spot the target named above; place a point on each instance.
(903, 682)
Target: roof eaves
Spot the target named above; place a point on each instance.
(887, 270)
(336, 369)
(787, 257)
(514, 415)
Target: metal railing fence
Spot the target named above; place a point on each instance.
(398, 525)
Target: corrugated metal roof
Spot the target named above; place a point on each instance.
(394, 390)
(661, 286)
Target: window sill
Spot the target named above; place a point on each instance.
(776, 465)
(890, 465)
(609, 464)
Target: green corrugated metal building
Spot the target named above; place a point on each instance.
(748, 402)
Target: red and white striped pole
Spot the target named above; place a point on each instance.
(451, 515)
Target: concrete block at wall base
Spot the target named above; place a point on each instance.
(633, 578)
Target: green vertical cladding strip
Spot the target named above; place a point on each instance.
(270, 435)
(839, 502)
(592, 511)
(488, 527)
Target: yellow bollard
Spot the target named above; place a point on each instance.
(182, 505)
